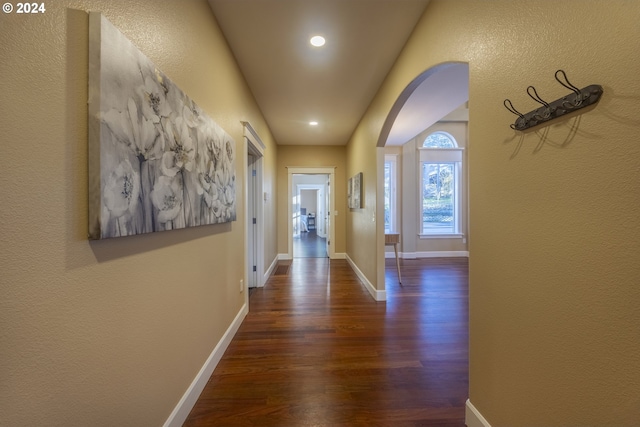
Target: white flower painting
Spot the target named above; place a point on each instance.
(354, 192)
(156, 160)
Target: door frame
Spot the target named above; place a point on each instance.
(331, 171)
(320, 188)
(253, 146)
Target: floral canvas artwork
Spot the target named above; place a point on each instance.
(156, 160)
(354, 192)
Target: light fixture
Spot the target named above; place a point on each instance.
(313, 123)
(317, 41)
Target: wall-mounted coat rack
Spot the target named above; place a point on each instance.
(577, 100)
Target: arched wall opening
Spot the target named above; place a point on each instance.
(432, 95)
(438, 95)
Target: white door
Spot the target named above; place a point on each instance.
(252, 234)
(327, 216)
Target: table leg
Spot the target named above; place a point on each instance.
(395, 249)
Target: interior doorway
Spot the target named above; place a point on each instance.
(310, 225)
(254, 208)
(406, 136)
(253, 233)
(309, 216)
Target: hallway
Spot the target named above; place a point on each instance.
(309, 245)
(316, 349)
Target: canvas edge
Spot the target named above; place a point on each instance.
(360, 176)
(93, 159)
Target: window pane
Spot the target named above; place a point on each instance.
(438, 197)
(387, 197)
(439, 140)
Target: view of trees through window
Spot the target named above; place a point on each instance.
(438, 197)
(439, 140)
(389, 206)
(439, 188)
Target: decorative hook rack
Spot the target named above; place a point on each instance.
(577, 100)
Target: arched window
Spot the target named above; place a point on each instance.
(440, 177)
(439, 140)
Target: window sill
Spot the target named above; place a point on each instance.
(441, 236)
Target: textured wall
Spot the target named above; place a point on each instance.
(555, 240)
(107, 333)
(361, 225)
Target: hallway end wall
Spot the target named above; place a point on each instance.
(306, 156)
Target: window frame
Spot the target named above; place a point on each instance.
(453, 155)
(392, 159)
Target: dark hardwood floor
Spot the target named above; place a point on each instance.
(309, 245)
(317, 350)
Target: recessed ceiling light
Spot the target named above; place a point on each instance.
(314, 123)
(317, 41)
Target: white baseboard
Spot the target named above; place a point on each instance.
(376, 294)
(284, 257)
(269, 271)
(339, 255)
(407, 255)
(430, 254)
(443, 254)
(190, 397)
(473, 418)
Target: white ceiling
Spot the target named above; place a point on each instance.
(440, 91)
(295, 83)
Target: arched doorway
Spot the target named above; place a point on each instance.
(438, 94)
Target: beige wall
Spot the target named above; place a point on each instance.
(107, 333)
(361, 223)
(309, 200)
(311, 157)
(555, 240)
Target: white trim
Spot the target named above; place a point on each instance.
(340, 255)
(272, 267)
(406, 255)
(253, 145)
(441, 155)
(441, 236)
(429, 254)
(376, 294)
(393, 196)
(183, 408)
(321, 211)
(284, 257)
(473, 417)
(442, 254)
(252, 135)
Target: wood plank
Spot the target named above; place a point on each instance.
(317, 350)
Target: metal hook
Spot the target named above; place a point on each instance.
(512, 109)
(570, 86)
(539, 100)
(536, 97)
